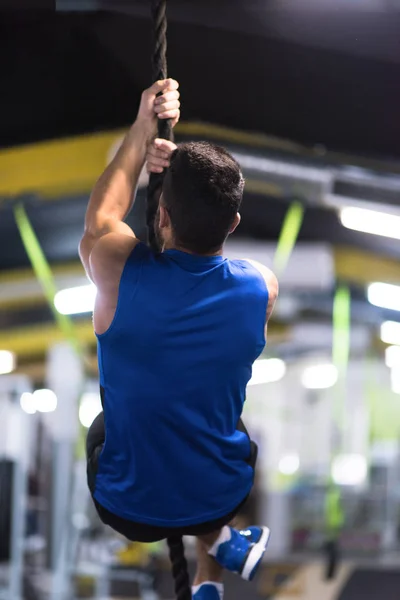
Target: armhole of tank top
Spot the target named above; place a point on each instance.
(100, 363)
(262, 278)
(101, 336)
(266, 310)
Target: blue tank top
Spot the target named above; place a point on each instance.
(174, 366)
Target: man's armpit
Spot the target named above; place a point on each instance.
(108, 258)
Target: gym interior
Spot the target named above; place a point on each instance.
(305, 94)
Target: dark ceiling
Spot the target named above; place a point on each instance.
(317, 76)
(326, 76)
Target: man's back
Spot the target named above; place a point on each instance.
(174, 368)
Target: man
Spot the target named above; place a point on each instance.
(178, 333)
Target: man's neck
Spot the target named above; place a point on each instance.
(172, 246)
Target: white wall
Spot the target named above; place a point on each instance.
(285, 418)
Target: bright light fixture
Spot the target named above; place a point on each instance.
(267, 370)
(289, 464)
(89, 408)
(7, 362)
(395, 379)
(390, 332)
(27, 403)
(349, 469)
(371, 221)
(73, 301)
(319, 377)
(392, 356)
(384, 295)
(45, 401)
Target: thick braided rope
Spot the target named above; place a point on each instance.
(159, 16)
(179, 568)
(159, 71)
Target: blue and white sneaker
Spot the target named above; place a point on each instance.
(243, 551)
(208, 591)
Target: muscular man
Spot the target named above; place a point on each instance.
(178, 333)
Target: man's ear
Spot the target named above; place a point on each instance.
(165, 221)
(235, 223)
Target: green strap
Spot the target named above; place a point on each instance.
(341, 328)
(341, 324)
(334, 515)
(43, 273)
(288, 236)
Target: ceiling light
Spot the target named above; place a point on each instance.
(384, 295)
(349, 469)
(73, 301)
(267, 370)
(390, 332)
(45, 401)
(27, 403)
(319, 377)
(7, 362)
(392, 356)
(371, 221)
(289, 464)
(395, 380)
(89, 408)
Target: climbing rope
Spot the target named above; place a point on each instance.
(159, 71)
(179, 568)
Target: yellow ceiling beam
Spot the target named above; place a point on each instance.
(56, 168)
(34, 340)
(35, 368)
(362, 267)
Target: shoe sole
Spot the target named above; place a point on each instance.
(256, 553)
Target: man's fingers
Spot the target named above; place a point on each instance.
(167, 97)
(171, 114)
(152, 169)
(163, 85)
(165, 145)
(158, 162)
(154, 152)
(167, 106)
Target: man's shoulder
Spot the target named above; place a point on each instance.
(253, 268)
(266, 273)
(262, 273)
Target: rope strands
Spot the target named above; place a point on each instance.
(159, 71)
(159, 59)
(179, 568)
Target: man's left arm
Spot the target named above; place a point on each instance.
(272, 285)
(113, 195)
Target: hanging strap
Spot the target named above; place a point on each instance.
(44, 274)
(288, 236)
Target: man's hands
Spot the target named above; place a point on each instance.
(114, 193)
(158, 155)
(164, 106)
(160, 101)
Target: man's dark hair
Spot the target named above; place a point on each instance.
(202, 192)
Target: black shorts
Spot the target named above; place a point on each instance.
(141, 532)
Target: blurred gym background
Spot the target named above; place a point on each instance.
(306, 94)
